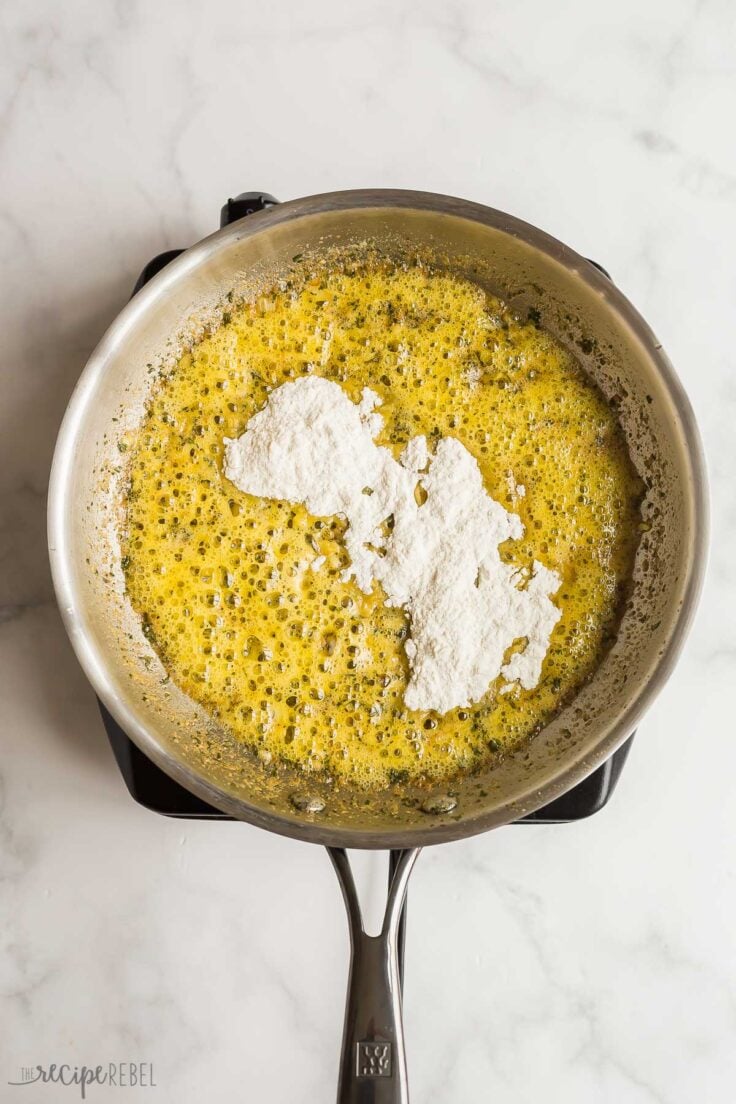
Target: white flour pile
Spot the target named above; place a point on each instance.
(310, 444)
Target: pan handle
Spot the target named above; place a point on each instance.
(373, 1063)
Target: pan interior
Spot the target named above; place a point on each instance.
(531, 273)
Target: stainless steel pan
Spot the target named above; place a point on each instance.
(583, 309)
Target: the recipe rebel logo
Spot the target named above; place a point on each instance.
(118, 1075)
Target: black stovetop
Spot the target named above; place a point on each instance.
(153, 789)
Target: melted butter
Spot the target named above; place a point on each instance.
(295, 663)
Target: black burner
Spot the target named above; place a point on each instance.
(150, 787)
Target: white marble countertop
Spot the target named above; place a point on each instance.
(592, 962)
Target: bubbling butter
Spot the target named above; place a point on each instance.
(256, 606)
(439, 559)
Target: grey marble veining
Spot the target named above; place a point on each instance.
(593, 962)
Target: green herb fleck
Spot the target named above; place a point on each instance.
(398, 777)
